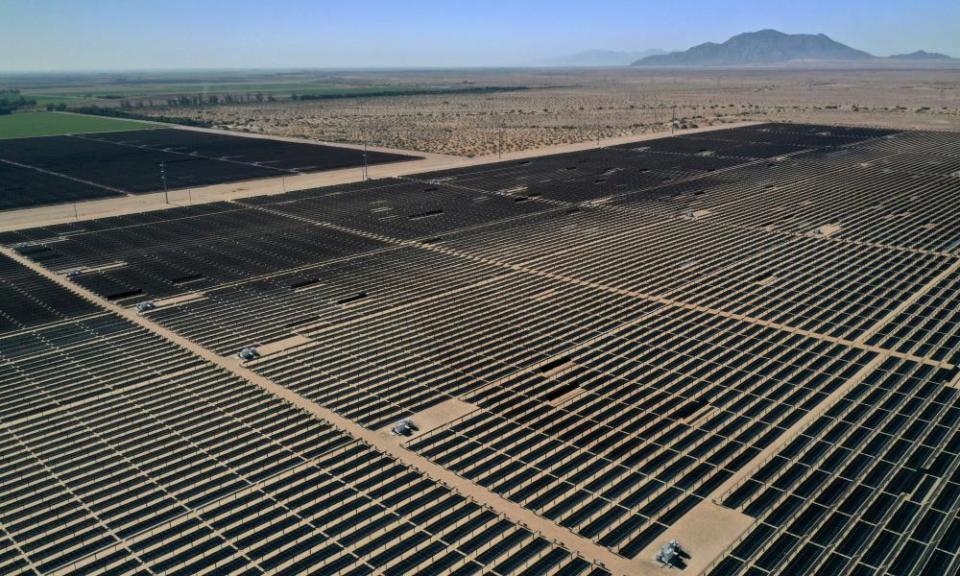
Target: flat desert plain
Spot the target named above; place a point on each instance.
(561, 106)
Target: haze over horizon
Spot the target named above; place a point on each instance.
(82, 35)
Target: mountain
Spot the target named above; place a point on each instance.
(592, 58)
(763, 47)
(921, 55)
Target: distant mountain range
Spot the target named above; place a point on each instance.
(596, 58)
(768, 47)
(921, 55)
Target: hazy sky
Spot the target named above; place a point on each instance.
(142, 34)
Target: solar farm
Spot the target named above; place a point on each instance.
(732, 352)
(76, 167)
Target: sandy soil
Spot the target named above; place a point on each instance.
(436, 416)
(703, 533)
(573, 106)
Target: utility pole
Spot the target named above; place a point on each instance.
(365, 135)
(598, 126)
(163, 178)
(673, 121)
(366, 174)
(500, 140)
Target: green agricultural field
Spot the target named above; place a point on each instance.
(107, 92)
(30, 124)
(69, 100)
(93, 92)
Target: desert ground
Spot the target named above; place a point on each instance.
(567, 106)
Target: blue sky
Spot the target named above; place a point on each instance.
(145, 34)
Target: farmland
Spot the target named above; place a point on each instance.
(34, 124)
(156, 88)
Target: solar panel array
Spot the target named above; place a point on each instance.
(123, 453)
(54, 169)
(870, 486)
(762, 317)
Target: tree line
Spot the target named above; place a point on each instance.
(11, 100)
(195, 100)
(133, 115)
